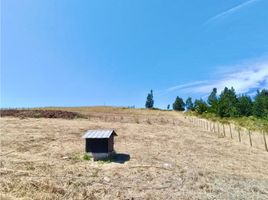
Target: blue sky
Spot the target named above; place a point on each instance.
(86, 53)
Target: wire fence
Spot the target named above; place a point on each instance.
(235, 132)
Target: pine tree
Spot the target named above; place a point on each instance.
(260, 107)
(244, 105)
(213, 101)
(200, 106)
(150, 100)
(179, 105)
(168, 107)
(189, 104)
(227, 104)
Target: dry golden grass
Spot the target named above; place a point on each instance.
(169, 159)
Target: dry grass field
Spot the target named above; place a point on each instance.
(169, 159)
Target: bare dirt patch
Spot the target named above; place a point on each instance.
(40, 114)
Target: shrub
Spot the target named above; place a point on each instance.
(87, 157)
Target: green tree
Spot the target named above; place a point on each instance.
(227, 104)
(213, 101)
(179, 104)
(168, 107)
(200, 106)
(260, 107)
(150, 100)
(189, 104)
(244, 105)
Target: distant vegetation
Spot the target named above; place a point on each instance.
(179, 104)
(150, 100)
(229, 104)
(242, 110)
(226, 106)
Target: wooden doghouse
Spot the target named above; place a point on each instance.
(100, 143)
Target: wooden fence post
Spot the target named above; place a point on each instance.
(230, 128)
(239, 136)
(249, 135)
(223, 130)
(265, 143)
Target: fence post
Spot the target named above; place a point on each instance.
(223, 130)
(239, 136)
(249, 135)
(231, 131)
(265, 143)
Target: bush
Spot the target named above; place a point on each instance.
(87, 157)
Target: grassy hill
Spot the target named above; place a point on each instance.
(42, 158)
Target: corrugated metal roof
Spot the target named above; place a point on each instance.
(99, 133)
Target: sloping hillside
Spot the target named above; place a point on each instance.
(169, 159)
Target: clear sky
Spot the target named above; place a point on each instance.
(86, 53)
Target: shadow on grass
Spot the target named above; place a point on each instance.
(120, 158)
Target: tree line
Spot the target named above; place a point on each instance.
(226, 104)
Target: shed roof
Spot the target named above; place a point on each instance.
(99, 133)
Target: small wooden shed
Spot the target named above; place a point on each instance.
(100, 143)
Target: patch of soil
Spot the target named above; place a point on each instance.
(40, 114)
